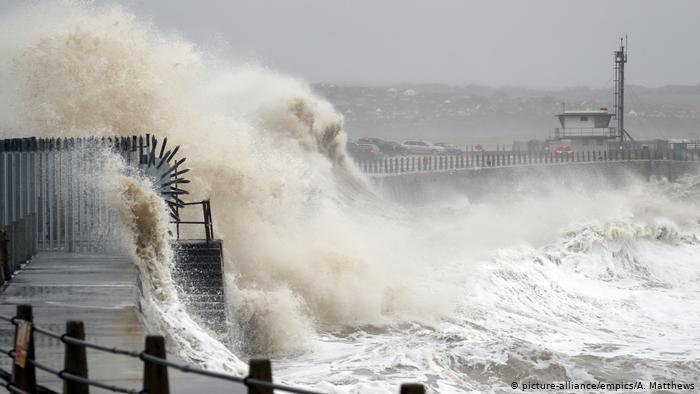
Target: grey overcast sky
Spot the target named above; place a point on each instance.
(532, 43)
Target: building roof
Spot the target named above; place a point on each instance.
(586, 113)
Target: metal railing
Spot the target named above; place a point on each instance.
(155, 365)
(207, 220)
(51, 199)
(480, 160)
(52, 185)
(17, 208)
(607, 132)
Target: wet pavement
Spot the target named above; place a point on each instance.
(99, 290)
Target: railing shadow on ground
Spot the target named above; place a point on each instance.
(22, 379)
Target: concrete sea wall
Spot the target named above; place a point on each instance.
(484, 183)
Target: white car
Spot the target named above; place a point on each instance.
(422, 147)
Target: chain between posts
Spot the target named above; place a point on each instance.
(259, 379)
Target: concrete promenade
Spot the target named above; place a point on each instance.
(101, 291)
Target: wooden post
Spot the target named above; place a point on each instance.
(155, 376)
(25, 378)
(260, 369)
(412, 388)
(75, 359)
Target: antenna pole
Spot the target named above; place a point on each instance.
(620, 60)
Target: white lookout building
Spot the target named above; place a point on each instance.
(586, 129)
(585, 124)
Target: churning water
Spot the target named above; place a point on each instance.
(348, 289)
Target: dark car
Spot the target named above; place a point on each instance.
(373, 141)
(388, 148)
(392, 148)
(368, 152)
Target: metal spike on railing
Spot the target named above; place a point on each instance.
(177, 191)
(168, 172)
(178, 162)
(172, 155)
(175, 202)
(178, 173)
(178, 200)
(174, 181)
(162, 146)
(163, 159)
(152, 154)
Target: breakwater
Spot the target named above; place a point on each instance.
(477, 183)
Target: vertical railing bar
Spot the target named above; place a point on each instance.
(50, 179)
(3, 191)
(70, 225)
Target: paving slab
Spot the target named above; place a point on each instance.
(101, 291)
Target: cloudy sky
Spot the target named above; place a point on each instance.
(533, 43)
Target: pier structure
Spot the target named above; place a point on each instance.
(482, 160)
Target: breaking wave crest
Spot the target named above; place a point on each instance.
(264, 147)
(143, 216)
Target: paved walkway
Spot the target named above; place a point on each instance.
(99, 290)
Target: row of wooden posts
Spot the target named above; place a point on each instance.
(389, 165)
(155, 375)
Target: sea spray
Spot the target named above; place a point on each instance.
(143, 216)
(270, 153)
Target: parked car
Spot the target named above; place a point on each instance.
(392, 148)
(368, 152)
(369, 140)
(450, 149)
(563, 151)
(389, 148)
(422, 147)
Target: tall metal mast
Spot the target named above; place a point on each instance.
(620, 60)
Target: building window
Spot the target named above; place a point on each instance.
(584, 119)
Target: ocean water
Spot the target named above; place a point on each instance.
(589, 287)
(347, 287)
